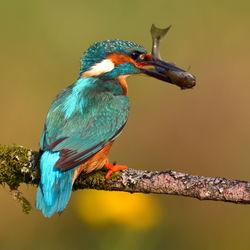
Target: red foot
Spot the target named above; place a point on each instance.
(113, 168)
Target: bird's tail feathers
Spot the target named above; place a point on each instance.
(55, 186)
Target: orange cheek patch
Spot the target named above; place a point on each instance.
(118, 59)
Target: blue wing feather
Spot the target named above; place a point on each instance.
(83, 119)
(96, 118)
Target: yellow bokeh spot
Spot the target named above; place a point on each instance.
(99, 208)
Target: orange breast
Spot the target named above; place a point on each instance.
(123, 83)
(95, 162)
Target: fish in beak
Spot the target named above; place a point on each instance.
(165, 71)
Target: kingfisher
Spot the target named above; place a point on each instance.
(85, 118)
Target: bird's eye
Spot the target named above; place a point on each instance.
(136, 55)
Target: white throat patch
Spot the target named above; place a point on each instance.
(104, 66)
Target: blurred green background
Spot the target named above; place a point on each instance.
(204, 131)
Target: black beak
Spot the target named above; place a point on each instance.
(167, 72)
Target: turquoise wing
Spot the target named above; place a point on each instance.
(86, 131)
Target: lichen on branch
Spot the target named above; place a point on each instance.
(16, 167)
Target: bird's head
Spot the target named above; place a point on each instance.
(117, 58)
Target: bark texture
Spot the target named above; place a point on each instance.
(16, 167)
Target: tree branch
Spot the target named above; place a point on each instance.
(16, 168)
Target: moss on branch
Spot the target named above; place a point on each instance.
(16, 167)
